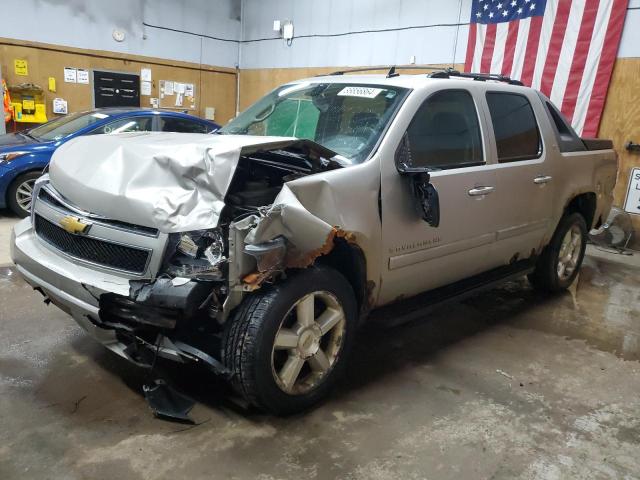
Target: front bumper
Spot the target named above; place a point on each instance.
(87, 295)
(73, 288)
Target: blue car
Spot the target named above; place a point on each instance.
(24, 155)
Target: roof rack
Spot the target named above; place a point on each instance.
(439, 72)
(480, 77)
(391, 69)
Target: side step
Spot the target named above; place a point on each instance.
(416, 307)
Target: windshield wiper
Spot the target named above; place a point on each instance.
(27, 135)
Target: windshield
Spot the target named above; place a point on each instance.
(345, 118)
(64, 126)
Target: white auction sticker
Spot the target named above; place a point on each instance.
(632, 203)
(365, 92)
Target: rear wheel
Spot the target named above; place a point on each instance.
(560, 261)
(19, 195)
(286, 346)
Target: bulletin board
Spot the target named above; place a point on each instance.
(177, 95)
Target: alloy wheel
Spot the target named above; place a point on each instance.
(24, 194)
(308, 342)
(569, 252)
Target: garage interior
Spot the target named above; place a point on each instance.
(507, 383)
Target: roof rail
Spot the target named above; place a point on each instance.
(481, 77)
(391, 69)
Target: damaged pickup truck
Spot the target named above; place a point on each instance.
(259, 251)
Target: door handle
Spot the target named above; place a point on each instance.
(542, 179)
(477, 191)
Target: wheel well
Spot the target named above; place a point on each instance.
(349, 260)
(585, 205)
(6, 193)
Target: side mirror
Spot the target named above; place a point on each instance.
(425, 194)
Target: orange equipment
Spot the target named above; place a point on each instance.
(6, 101)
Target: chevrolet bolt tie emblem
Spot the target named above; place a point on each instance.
(75, 225)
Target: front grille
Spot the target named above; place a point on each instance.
(100, 252)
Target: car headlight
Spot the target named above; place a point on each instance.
(9, 156)
(199, 254)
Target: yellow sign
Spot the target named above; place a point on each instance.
(52, 84)
(74, 225)
(21, 67)
(28, 104)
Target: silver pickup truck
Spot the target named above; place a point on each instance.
(259, 250)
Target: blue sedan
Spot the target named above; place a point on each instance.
(23, 155)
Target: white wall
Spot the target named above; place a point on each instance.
(90, 23)
(429, 45)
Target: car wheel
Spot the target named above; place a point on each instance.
(19, 193)
(560, 261)
(286, 346)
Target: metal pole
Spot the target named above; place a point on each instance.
(3, 130)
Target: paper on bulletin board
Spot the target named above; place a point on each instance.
(168, 88)
(145, 74)
(83, 76)
(21, 67)
(179, 87)
(70, 75)
(52, 84)
(145, 88)
(60, 106)
(155, 103)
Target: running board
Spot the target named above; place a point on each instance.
(415, 308)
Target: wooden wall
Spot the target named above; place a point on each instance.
(621, 123)
(215, 87)
(620, 120)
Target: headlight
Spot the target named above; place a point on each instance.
(7, 157)
(199, 254)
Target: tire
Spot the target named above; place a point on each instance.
(262, 372)
(560, 262)
(17, 193)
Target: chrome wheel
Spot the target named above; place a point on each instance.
(569, 252)
(308, 342)
(24, 194)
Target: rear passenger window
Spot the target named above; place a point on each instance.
(182, 125)
(445, 132)
(515, 127)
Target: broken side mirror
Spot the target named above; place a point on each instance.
(424, 192)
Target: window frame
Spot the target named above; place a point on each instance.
(521, 158)
(481, 129)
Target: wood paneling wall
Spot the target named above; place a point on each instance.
(620, 121)
(215, 87)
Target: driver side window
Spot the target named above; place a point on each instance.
(445, 132)
(132, 124)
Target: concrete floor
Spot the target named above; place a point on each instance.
(509, 384)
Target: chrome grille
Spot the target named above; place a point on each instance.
(100, 252)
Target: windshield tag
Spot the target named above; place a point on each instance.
(364, 92)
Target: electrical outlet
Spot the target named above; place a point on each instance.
(287, 31)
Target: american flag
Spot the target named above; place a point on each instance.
(564, 48)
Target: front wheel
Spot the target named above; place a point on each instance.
(286, 346)
(560, 261)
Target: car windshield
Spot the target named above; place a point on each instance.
(64, 126)
(345, 118)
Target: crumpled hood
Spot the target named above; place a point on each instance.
(170, 181)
